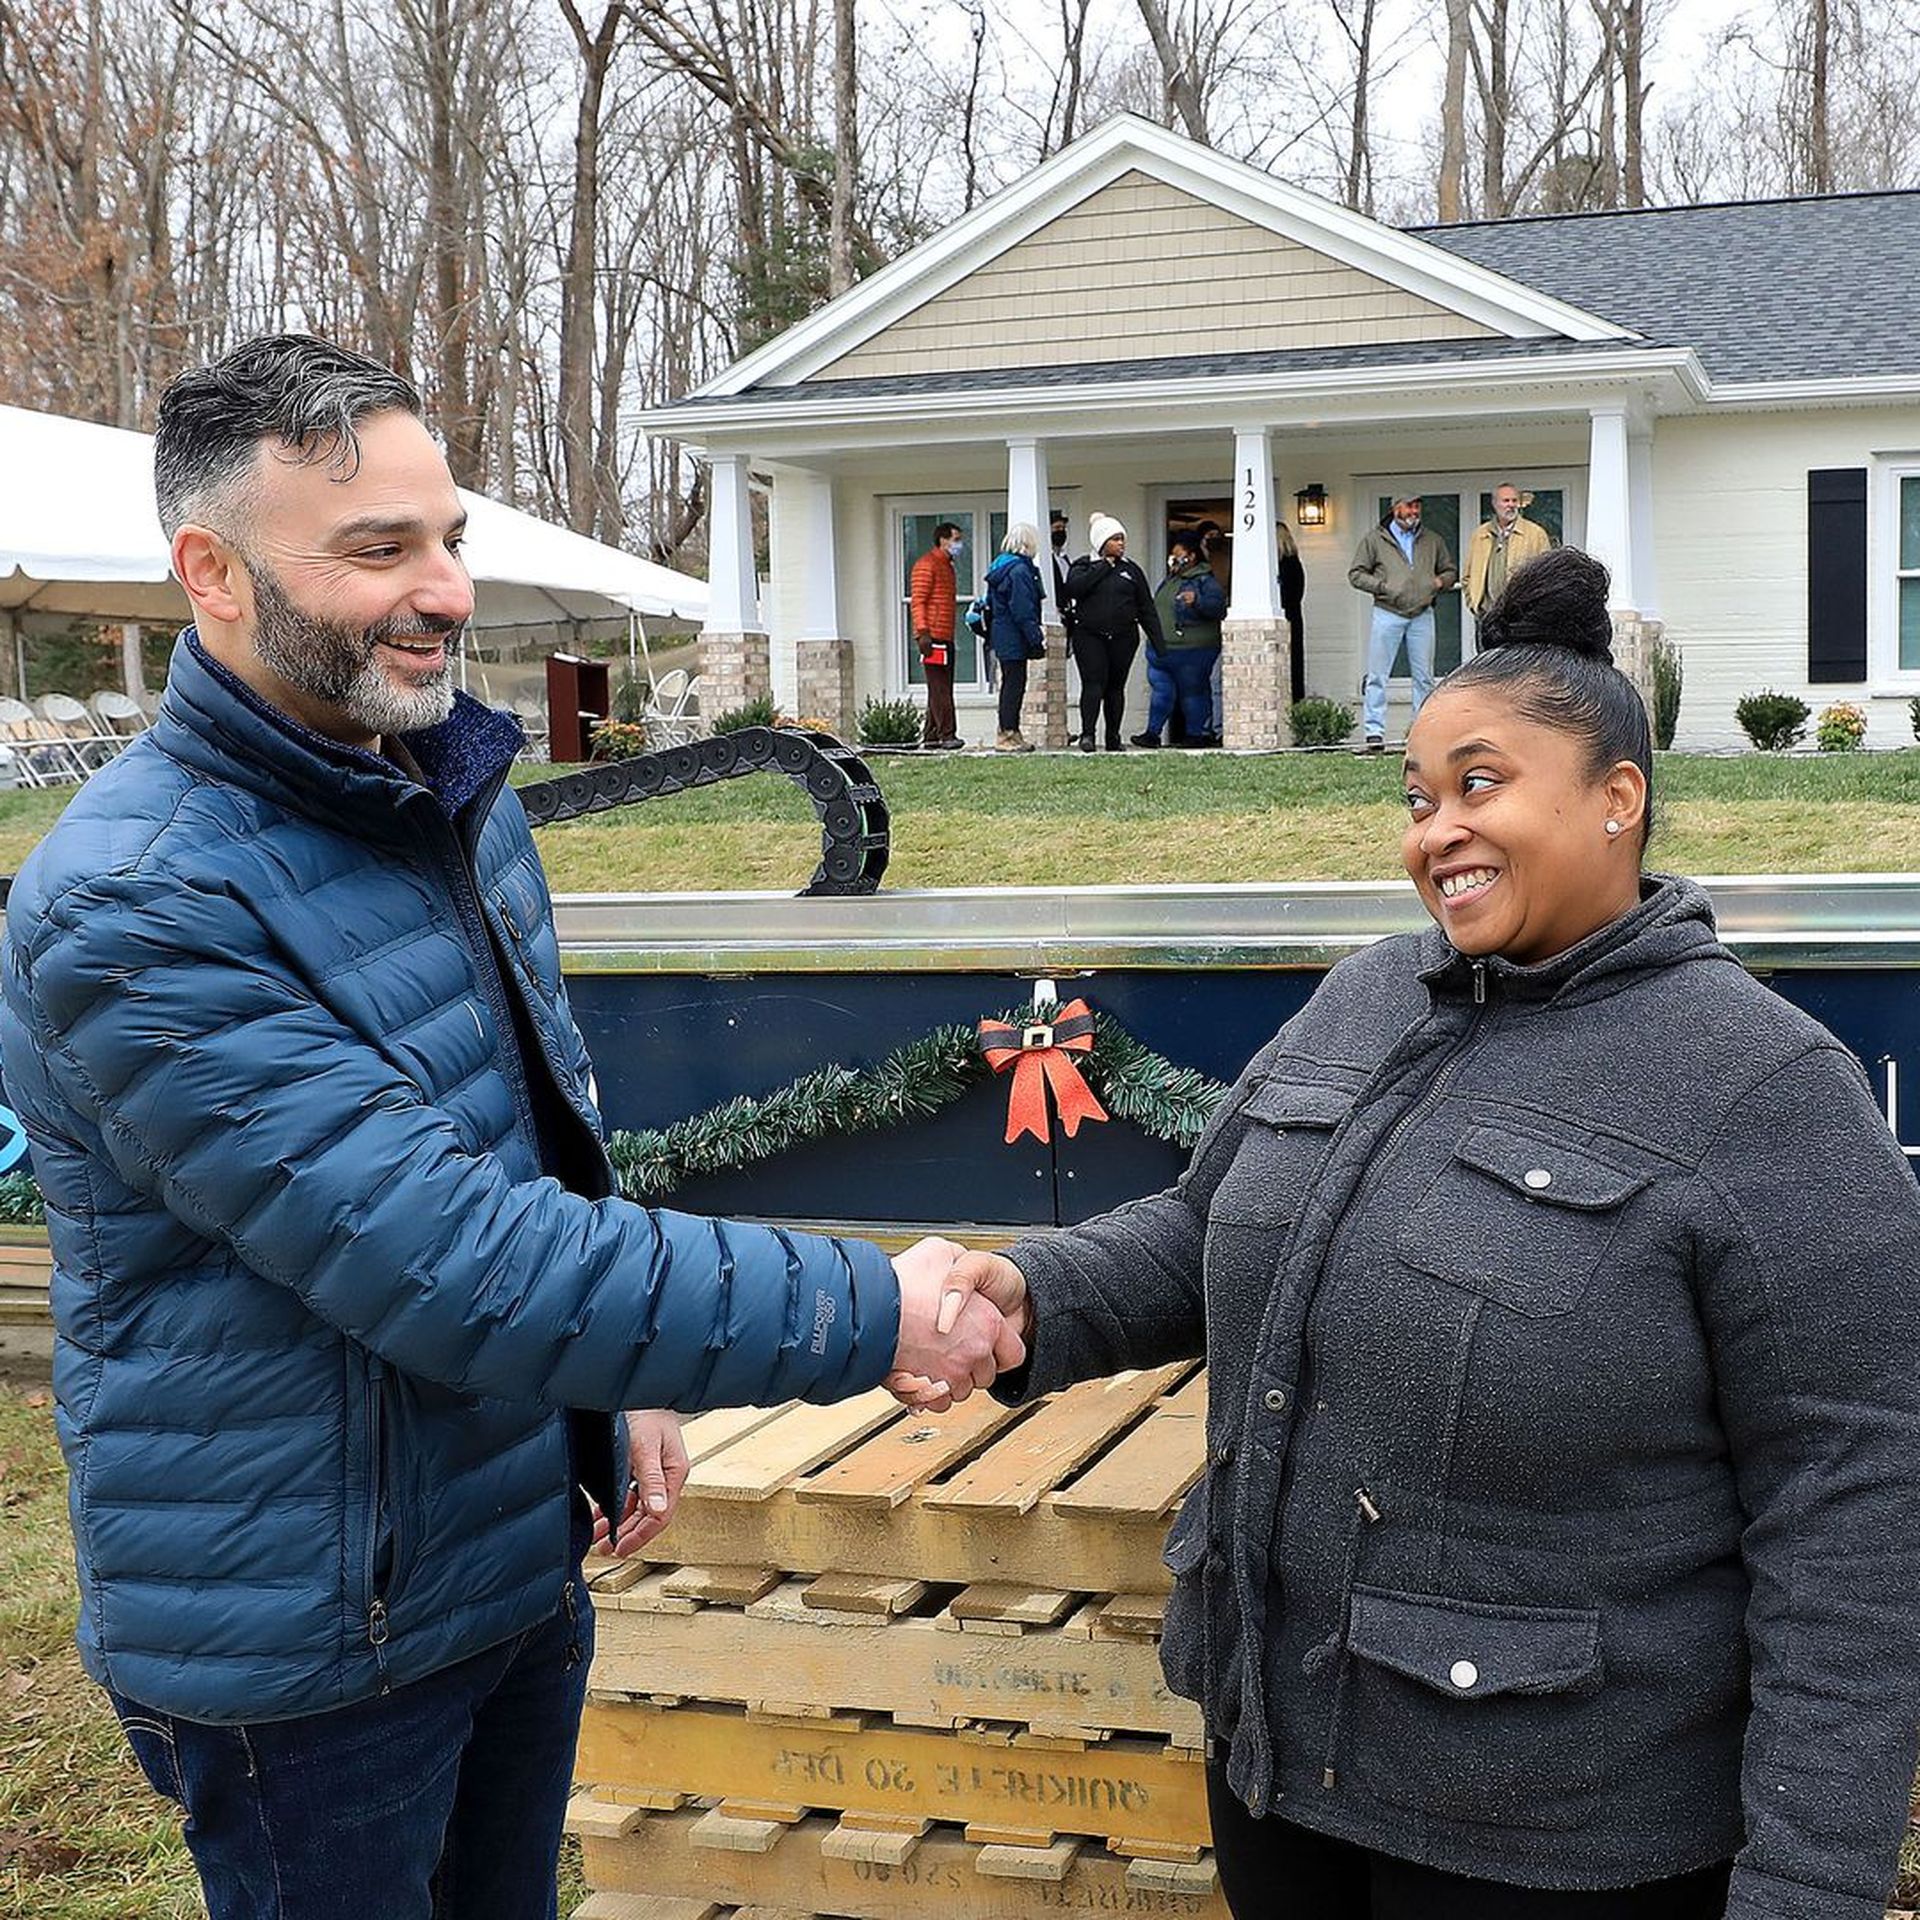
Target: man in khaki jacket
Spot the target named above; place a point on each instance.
(1405, 567)
(1500, 547)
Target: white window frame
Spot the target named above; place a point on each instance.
(901, 507)
(1885, 675)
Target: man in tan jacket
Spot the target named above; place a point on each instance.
(1500, 547)
(1403, 567)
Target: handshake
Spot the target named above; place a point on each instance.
(964, 1320)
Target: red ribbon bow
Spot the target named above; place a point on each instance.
(1040, 1055)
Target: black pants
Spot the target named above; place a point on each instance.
(1013, 690)
(1104, 660)
(1296, 653)
(1271, 1870)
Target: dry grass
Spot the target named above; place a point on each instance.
(82, 1836)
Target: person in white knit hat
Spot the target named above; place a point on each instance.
(1113, 606)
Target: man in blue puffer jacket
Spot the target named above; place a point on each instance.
(344, 1298)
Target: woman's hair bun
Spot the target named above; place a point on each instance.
(1558, 600)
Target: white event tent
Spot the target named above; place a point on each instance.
(79, 535)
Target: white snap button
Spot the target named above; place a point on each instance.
(1464, 1675)
(1538, 1177)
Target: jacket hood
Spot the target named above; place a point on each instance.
(212, 722)
(1672, 923)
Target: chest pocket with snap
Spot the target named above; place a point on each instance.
(1289, 1127)
(1522, 1218)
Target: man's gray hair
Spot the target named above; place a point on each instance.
(304, 393)
(1022, 537)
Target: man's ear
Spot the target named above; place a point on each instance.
(211, 572)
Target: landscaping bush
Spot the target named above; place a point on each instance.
(1668, 675)
(1841, 728)
(889, 723)
(1773, 721)
(1319, 723)
(629, 697)
(618, 739)
(755, 713)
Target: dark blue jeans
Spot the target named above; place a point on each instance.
(442, 1800)
(1185, 675)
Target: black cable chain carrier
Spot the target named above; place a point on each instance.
(853, 818)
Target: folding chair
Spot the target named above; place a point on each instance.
(92, 743)
(117, 715)
(47, 758)
(671, 713)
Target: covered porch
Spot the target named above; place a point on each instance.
(857, 474)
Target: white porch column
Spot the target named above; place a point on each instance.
(1609, 514)
(1256, 560)
(823, 658)
(1043, 714)
(1254, 688)
(734, 662)
(1646, 582)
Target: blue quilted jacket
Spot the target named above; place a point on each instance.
(319, 1310)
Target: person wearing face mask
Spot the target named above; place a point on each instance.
(1113, 606)
(1555, 1551)
(1500, 547)
(1191, 603)
(1404, 567)
(1062, 566)
(934, 596)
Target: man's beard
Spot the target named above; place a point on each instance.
(334, 663)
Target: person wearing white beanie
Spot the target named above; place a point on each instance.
(1113, 604)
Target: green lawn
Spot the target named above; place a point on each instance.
(1066, 819)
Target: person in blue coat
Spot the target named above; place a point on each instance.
(1015, 632)
(346, 1301)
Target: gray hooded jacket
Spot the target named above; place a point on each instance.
(1561, 1518)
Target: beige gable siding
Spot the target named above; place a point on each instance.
(1140, 270)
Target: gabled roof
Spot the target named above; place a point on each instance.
(1485, 299)
(1764, 291)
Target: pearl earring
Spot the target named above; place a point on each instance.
(1613, 826)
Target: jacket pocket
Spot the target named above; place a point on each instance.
(1183, 1633)
(1475, 1712)
(1289, 1127)
(1521, 1217)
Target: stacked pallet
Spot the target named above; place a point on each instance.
(899, 1656)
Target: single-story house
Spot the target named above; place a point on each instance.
(1723, 402)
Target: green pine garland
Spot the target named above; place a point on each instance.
(914, 1082)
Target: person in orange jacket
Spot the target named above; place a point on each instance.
(934, 593)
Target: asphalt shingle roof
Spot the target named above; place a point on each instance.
(1762, 290)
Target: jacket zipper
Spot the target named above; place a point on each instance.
(376, 1600)
(1366, 1513)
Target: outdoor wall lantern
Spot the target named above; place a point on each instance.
(1310, 506)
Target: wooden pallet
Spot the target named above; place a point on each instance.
(819, 1866)
(1071, 1495)
(925, 1656)
(26, 1318)
(1000, 1782)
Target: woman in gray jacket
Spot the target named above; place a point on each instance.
(1557, 1552)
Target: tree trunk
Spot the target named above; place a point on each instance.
(1453, 115)
(846, 149)
(1183, 92)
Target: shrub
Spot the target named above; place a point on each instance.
(1319, 723)
(1841, 728)
(760, 712)
(617, 740)
(1773, 721)
(889, 723)
(1913, 717)
(1668, 675)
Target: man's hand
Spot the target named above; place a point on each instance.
(657, 1464)
(976, 1277)
(952, 1339)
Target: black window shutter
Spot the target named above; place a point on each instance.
(1837, 574)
